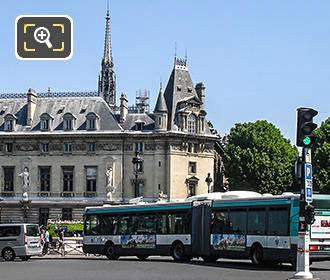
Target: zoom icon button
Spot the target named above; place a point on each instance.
(44, 37)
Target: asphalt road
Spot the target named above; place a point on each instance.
(154, 268)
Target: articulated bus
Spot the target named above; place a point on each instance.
(241, 225)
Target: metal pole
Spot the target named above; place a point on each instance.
(302, 269)
(136, 184)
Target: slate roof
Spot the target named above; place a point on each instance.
(79, 107)
(161, 103)
(179, 87)
(132, 119)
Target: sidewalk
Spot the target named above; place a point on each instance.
(69, 256)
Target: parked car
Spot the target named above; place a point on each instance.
(19, 240)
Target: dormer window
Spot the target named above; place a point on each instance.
(91, 121)
(10, 121)
(45, 121)
(68, 121)
(139, 125)
(192, 123)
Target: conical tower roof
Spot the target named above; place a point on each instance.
(161, 103)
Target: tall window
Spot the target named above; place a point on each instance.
(44, 147)
(45, 125)
(8, 179)
(191, 188)
(138, 147)
(68, 172)
(45, 121)
(9, 147)
(191, 123)
(43, 216)
(192, 167)
(9, 125)
(67, 214)
(9, 122)
(68, 121)
(91, 121)
(91, 147)
(44, 178)
(68, 147)
(91, 173)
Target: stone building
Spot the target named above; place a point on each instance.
(77, 147)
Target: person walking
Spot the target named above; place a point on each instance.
(61, 241)
(47, 240)
(42, 240)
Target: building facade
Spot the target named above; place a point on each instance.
(61, 152)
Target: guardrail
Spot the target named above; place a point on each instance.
(71, 246)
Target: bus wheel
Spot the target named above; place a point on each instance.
(177, 252)
(210, 259)
(8, 254)
(257, 255)
(142, 257)
(110, 252)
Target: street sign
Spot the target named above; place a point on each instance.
(308, 183)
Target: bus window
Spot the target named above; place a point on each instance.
(237, 222)
(257, 221)
(178, 223)
(126, 225)
(219, 221)
(108, 225)
(91, 225)
(145, 224)
(278, 221)
(162, 224)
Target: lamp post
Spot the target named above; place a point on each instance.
(137, 166)
(208, 181)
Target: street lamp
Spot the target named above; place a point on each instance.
(137, 165)
(208, 181)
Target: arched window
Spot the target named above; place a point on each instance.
(192, 123)
(10, 121)
(45, 120)
(68, 121)
(91, 121)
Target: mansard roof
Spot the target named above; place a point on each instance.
(78, 106)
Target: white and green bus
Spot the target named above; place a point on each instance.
(225, 225)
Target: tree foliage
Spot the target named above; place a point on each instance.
(258, 158)
(321, 157)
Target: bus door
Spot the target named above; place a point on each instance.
(201, 218)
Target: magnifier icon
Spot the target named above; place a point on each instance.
(42, 35)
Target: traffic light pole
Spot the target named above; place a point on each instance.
(302, 269)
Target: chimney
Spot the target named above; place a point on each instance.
(123, 107)
(200, 89)
(31, 105)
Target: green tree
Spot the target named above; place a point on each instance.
(258, 158)
(321, 157)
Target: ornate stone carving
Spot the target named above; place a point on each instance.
(109, 147)
(149, 147)
(128, 147)
(27, 147)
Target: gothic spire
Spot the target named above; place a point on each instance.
(107, 56)
(107, 78)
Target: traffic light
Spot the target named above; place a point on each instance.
(305, 126)
(310, 214)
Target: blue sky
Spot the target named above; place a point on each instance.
(258, 59)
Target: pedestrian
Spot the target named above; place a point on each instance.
(47, 240)
(42, 238)
(61, 241)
